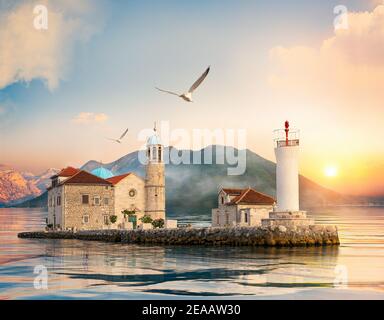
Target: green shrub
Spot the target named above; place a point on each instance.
(113, 219)
(127, 212)
(146, 219)
(158, 223)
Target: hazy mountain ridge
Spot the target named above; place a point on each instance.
(192, 188)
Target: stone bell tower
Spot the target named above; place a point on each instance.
(155, 179)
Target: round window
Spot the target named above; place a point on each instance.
(132, 193)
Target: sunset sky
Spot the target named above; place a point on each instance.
(93, 73)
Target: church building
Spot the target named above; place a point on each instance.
(79, 200)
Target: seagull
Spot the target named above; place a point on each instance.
(121, 138)
(188, 95)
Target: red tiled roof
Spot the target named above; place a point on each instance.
(232, 191)
(250, 196)
(116, 179)
(67, 172)
(84, 177)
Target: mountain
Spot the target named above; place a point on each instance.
(192, 188)
(16, 187)
(41, 181)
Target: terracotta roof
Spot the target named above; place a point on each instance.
(67, 172)
(84, 177)
(233, 192)
(250, 196)
(116, 179)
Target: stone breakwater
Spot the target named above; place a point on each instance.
(316, 235)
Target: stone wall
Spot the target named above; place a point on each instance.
(55, 211)
(125, 200)
(155, 190)
(244, 236)
(255, 214)
(75, 210)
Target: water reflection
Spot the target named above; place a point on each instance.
(97, 270)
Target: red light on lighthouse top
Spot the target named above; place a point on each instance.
(286, 132)
(286, 137)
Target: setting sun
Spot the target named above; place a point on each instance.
(330, 171)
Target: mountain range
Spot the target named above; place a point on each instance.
(192, 189)
(16, 186)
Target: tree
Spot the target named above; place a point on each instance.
(127, 212)
(158, 223)
(146, 219)
(113, 219)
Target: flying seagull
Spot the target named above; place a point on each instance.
(188, 95)
(121, 138)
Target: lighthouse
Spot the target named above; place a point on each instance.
(287, 168)
(286, 212)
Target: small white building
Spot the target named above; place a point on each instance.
(241, 207)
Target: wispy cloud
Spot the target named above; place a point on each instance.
(89, 118)
(348, 66)
(27, 53)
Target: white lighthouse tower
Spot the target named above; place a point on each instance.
(287, 168)
(287, 212)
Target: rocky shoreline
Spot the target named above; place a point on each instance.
(316, 235)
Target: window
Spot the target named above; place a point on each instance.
(96, 201)
(85, 199)
(106, 201)
(159, 155)
(86, 219)
(218, 218)
(245, 217)
(58, 200)
(106, 219)
(222, 200)
(132, 193)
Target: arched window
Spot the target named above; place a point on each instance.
(159, 154)
(222, 200)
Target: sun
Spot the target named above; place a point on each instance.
(330, 171)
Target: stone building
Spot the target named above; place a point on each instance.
(129, 195)
(81, 200)
(85, 201)
(241, 207)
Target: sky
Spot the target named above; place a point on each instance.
(92, 74)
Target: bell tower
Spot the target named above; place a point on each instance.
(154, 178)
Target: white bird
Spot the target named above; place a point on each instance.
(121, 137)
(187, 96)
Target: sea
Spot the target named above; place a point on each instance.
(73, 269)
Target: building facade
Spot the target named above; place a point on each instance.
(82, 201)
(79, 200)
(241, 207)
(155, 179)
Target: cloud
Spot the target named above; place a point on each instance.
(27, 53)
(90, 117)
(347, 67)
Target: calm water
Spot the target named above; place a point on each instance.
(94, 270)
